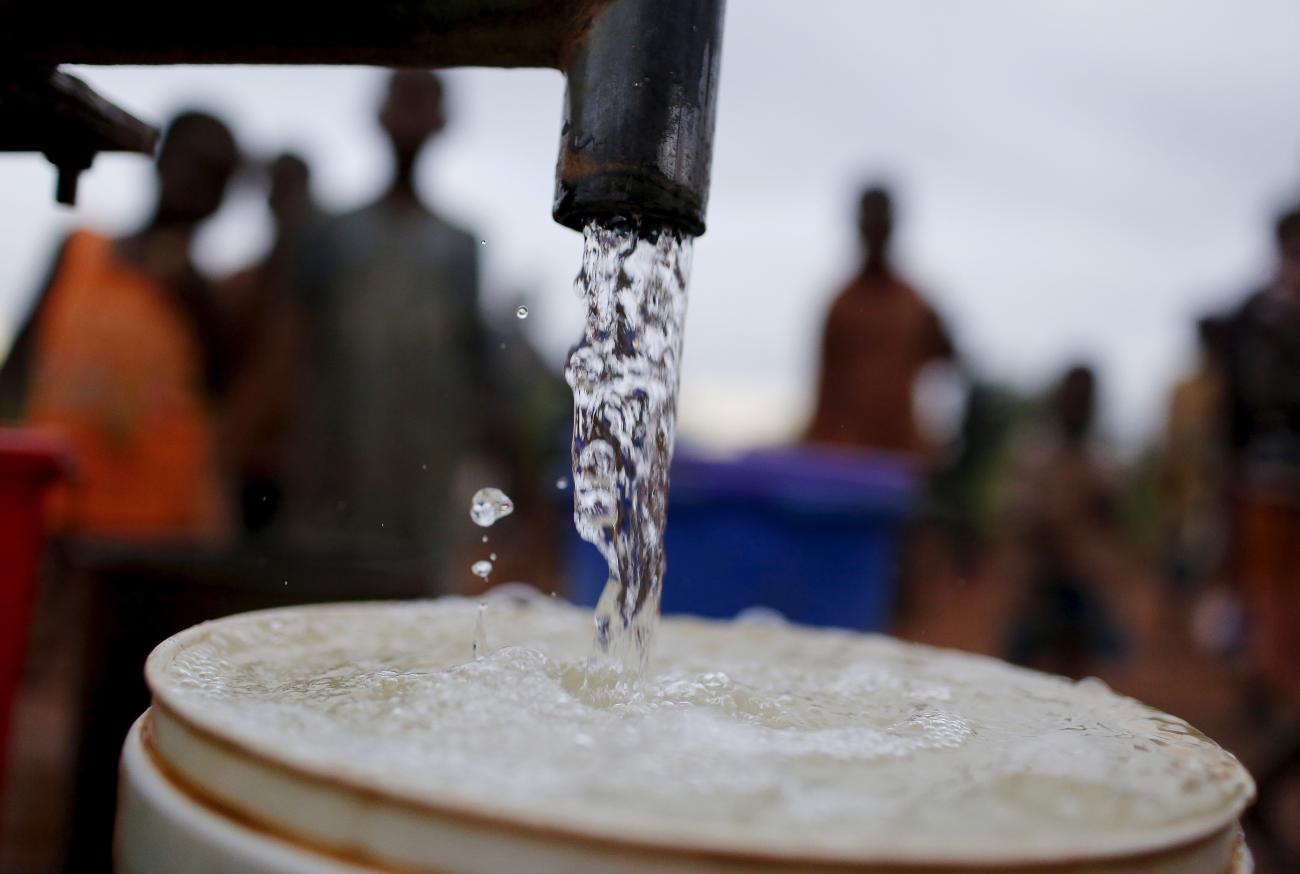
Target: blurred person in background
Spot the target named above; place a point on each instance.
(396, 368)
(1064, 516)
(121, 354)
(1264, 394)
(879, 334)
(1193, 466)
(265, 346)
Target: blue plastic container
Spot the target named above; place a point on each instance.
(810, 532)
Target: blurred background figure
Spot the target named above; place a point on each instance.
(1193, 469)
(1264, 391)
(396, 393)
(879, 334)
(121, 354)
(1064, 517)
(265, 346)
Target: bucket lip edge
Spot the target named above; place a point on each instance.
(1029, 863)
(1203, 828)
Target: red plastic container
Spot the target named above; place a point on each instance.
(30, 462)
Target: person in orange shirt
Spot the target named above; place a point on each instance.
(121, 356)
(1264, 402)
(880, 333)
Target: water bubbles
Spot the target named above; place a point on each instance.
(596, 501)
(489, 505)
(481, 568)
(757, 614)
(584, 370)
(515, 594)
(521, 312)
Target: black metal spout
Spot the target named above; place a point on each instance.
(637, 138)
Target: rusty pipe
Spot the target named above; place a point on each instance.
(637, 137)
(390, 33)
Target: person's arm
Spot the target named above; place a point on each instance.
(821, 425)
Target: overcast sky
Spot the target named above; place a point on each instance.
(1076, 179)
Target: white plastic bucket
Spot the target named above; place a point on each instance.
(200, 794)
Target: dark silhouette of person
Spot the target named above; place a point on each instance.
(396, 365)
(265, 348)
(879, 334)
(121, 354)
(1194, 464)
(1264, 393)
(1064, 514)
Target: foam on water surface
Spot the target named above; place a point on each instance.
(758, 735)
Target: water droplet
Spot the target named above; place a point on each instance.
(492, 555)
(481, 568)
(485, 538)
(424, 467)
(521, 312)
(489, 505)
(286, 582)
(482, 242)
(561, 483)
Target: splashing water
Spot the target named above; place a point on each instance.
(489, 505)
(624, 376)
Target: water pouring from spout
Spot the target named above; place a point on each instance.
(624, 374)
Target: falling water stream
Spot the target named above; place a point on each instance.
(624, 375)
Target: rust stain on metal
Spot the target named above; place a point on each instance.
(581, 20)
